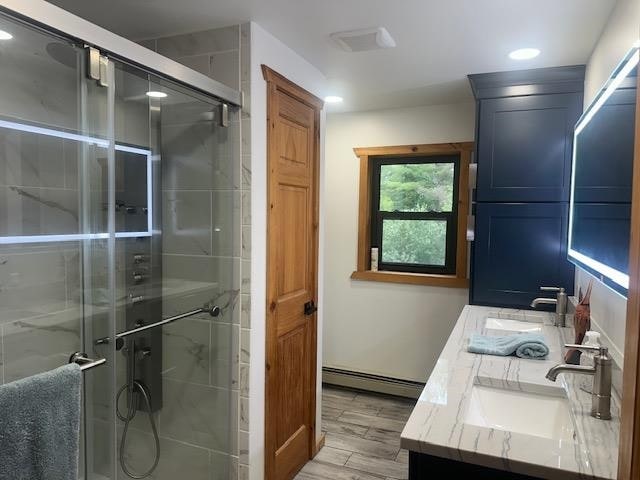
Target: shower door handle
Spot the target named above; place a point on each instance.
(310, 308)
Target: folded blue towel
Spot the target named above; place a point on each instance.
(40, 426)
(523, 345)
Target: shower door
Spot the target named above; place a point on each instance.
(177, 209)
(57, 232)
(119, 208)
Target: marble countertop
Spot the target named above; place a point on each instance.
(437, 424)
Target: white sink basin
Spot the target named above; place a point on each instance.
(507, 325)
(521, 412)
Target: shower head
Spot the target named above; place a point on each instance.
(63, 53)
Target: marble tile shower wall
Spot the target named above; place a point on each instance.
(222, 54)
(39, 283)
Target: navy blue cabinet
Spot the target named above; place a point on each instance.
(519, 247)
(524, 147)
(524, 139)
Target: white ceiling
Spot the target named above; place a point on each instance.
(439, 42)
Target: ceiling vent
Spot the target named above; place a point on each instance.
(363, 40)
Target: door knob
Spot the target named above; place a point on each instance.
(310, 308)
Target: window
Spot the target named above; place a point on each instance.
(413, 207)
(414, 213)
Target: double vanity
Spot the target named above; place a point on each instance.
(485, 416)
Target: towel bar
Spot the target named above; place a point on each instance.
(85, 362)
(209, 308)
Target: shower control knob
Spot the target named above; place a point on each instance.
(138, 277)
(136, 298)
(140, 258)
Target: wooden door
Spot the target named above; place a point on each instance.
(293, 119)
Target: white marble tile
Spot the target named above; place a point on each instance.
(245, 346)
(186, 351)
(246, 242)
(40, 344)
(246, 207)
(31, 160)
(243, 456)
(225, 209)
(196, 414)
(245, 313)
(219, 466)
(244, 379)
(201, 155)
(246, 277)
(33, 283)
(186, 219)
(246, 171)
(223, 273)
(199, 63)
(245, 52)
(221, 354)
(178, 460)
(246, 136)
(38, 211)
(244, 414)
(207, 41)
(245, 87)
(225, 68)
(243, 472)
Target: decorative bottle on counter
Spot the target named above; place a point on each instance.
(374, 259)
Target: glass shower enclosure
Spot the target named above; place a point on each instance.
(118, 227)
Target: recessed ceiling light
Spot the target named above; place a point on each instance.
(524, 54)
(333, 99)
(154, 94)
(5, 35)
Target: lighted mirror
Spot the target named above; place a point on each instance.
(600, 213)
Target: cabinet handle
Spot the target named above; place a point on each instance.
(471, 228)
(473, 176)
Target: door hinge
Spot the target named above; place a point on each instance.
(224, 115)
(97, 66)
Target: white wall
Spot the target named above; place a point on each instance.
(268, 50)
(618, 36)
(382, 328)
(608, 309)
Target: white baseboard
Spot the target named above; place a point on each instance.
(372, 383)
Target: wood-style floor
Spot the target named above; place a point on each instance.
(362, 437)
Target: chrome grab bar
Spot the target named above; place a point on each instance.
(85, 362)
(209, 308)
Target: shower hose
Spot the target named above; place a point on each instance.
(131, 386)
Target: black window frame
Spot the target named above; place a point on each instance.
(378, 216)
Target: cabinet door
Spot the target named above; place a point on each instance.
(524, 147)
(518, 248)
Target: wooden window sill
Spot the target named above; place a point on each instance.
(450, 281)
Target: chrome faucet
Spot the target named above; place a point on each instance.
(601, 371)
(560, 302)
